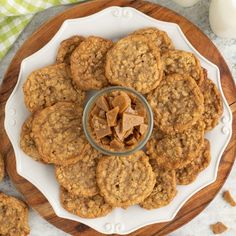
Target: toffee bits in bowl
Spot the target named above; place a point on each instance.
(117, 121)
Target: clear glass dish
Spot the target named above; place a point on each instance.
(89, 106)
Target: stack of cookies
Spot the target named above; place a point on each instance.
(185, 103)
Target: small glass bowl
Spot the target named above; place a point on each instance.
(89, 106)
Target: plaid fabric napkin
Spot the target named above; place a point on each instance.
(16, 14)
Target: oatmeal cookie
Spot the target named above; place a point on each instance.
(80, 178)
(27, 142)
(134, 62)
(58, 133)
(88, 61)
(2, 168)
(49, 85)
(177, 150)
(125, 180)
(66, 48)
(189, 173)
(177, 103)
(212, 103)
(164, 190)
(13, 216)
(86, 207)
(158, 37)
(184, 63)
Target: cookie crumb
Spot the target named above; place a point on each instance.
(218, 228)
(228, 198)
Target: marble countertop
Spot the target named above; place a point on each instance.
(218, 209)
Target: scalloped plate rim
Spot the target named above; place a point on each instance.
(99, 14)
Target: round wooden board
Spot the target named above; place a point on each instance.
(35, 198)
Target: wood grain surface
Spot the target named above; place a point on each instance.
(33, 196)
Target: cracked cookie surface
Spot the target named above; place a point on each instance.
(189, 173)
(184, 63)
(174, 151)
(13, 217)
(86, 207)
(80, 178)
(164, 190)
(158, 37)
(134, 62)
(58, 133)
(177, 103)
(49, 85)
(88, 62)
(125, 180)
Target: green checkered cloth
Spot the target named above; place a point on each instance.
(16, 14)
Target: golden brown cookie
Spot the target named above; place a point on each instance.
(184, 63)
(158, 37)
(125, 180)
(174, 151)
(213, 106)
(86, 207)
(13, 216)
(164, 190)
(2, 168)
(189, 173)
(27, 142)
(58, 133)
(177, 103)
(134, 62)
(88, 61)
(66, 48)
(80, 178)
(49, 85)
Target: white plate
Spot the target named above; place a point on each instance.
(112, 23)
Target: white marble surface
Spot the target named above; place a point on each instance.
(217, 210)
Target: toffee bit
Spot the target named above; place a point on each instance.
(228, 198)
(102, 103)
(113, 116)
(218, 228)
